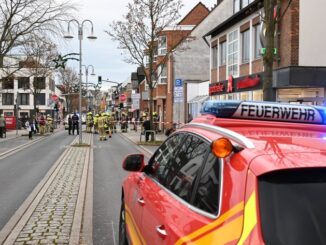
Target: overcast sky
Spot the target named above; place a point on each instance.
(103, 53)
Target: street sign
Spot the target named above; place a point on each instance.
(122, 97)
(178, 82)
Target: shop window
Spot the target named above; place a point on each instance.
(232, 53)
(223, 53)
(257, 95)
(214, 57)
(245, 46)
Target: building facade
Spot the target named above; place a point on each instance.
(299, 75)
(168, 40)
(27, 91)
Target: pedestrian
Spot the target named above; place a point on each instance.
(69, 124)
(30, 128)
(146, 127)
(2, 125)
(75, 123)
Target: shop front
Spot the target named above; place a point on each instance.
(241, 88)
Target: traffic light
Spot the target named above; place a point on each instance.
(56, 107)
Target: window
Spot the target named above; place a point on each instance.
(233, 53)
(162, 47)
(39, 83)
(245, 46)
(223, 53)
(163, 156)
(240, 4)
(40, 99)
(23, 82)
(8, 99)
(257, 44)
(8, 83)
(208, 191)
(185, 167)
(23, 99)
(214, 57)
(236, 6)
(163, 74)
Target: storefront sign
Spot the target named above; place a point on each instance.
(216, 88)
(248, 82)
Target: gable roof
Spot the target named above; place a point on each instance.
(192, 11)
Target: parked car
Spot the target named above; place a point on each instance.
(242, 173)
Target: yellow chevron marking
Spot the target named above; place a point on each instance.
(250, 218)
(236, 209)
(134, 232)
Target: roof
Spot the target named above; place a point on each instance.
(237, 17)
(198, 99)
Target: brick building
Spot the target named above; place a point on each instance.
(299, 67)
(168, 39)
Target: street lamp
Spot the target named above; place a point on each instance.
(86, 73)
(80, 38)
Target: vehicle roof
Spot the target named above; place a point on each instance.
(277, 145)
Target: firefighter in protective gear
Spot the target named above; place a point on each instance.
(49, 124)
(155, 121)
(124, 122)
(89, 122)
(95, 123)
(114, 124)
(109, 122)
(100, 125)
(106, 126)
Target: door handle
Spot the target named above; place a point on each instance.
(160, 229)
(141, 201)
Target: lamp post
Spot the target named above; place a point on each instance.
(86, 73)
(80, 38)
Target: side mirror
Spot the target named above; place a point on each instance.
(134, 162)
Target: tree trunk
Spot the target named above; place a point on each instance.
(269, 93)
(1, 60)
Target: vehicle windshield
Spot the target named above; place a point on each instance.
(292, 206)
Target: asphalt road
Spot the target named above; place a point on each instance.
(108, 177)
(21, 172)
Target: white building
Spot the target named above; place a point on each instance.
(28, 86)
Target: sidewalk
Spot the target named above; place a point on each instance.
(139, 140)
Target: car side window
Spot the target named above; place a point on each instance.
(163, 156)
(208, 190)
(185, 166)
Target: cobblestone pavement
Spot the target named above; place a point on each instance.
(51, 222)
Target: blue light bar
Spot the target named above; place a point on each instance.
(269, 111)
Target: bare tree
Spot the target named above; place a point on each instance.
(69, 87)
(21, 20)
(40, 53)
(272, 16)
(138, 34)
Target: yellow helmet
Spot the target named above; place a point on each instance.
(97, 115)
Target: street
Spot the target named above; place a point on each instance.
(24, 165)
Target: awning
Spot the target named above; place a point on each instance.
(198, 99)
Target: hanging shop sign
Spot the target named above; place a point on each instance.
(216, 88)
(248, 82)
